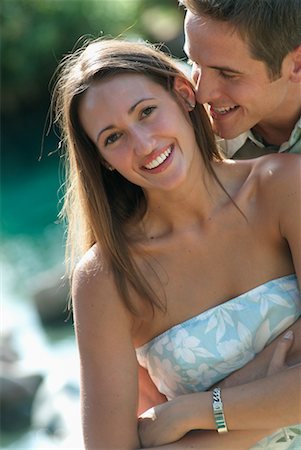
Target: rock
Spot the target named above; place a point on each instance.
(8, 353)
(56, 408)
(17, 388)
(50, 294)
(16, 399)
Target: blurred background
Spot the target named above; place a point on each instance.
(39, 390)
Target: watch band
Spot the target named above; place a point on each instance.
(218, 411)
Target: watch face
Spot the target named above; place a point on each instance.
(217, 406)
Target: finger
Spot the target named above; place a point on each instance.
(278, 361)
(149, 414)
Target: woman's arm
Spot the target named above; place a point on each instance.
(149, 395)
(211, 440)
(109, 369)
(255, 402)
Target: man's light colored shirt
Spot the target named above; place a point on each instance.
(248, 141)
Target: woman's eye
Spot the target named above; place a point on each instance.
(147, 111)
(112, 138)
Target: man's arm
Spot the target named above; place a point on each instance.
(258, 367)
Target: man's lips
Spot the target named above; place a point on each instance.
(223, 111)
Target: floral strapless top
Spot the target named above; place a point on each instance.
(197, 353)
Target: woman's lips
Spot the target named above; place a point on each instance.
(160, 159)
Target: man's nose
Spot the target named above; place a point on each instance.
(206, 86)
(196, 73)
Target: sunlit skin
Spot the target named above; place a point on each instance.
(226, 76)
(142, 131)
(188, 231)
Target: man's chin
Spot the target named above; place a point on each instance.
(226, 134)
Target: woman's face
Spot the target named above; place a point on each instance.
(140, 129)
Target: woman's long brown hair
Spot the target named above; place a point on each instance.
(98, 203)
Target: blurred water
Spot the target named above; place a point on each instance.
(31, 242)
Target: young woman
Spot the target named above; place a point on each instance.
(189, 262)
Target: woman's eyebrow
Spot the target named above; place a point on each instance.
(109, 127)
(132, 108)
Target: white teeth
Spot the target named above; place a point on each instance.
(159, 160)
(224, 110)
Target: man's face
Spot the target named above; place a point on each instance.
(236, 87)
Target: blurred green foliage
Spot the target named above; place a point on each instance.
(37, 33)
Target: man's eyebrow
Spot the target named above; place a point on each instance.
(222, 68)
(130, 111)
(226, 69)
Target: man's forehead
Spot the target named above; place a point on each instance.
(190, 23)
(192, 20)
(204, 33)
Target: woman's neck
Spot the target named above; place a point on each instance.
(192, 203)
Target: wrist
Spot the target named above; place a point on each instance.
(197, 411)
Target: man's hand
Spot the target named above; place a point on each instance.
(278, 360)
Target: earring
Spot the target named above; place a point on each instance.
(107, 165)
(191, 105)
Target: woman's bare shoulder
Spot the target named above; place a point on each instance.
(90, 272)
(91, 266)
(278, 167)
(275, 176)
(96, 300)
(278, 178)
(93, 283)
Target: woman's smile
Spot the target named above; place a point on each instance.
(144, 130)
(160, 162)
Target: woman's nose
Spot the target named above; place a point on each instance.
(143, 142)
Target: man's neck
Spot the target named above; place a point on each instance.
(277, 130)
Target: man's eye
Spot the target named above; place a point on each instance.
(112, 138)
(227, 76)
(147, 111)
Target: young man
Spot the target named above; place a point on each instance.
(246, 57)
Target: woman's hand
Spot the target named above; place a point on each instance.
(164, 423)
(170, 421)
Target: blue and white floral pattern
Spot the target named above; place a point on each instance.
(197, 353)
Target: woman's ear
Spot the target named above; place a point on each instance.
(296, 60)
(185, 92)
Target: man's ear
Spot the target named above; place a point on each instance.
(295, 76)
(185, 92)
